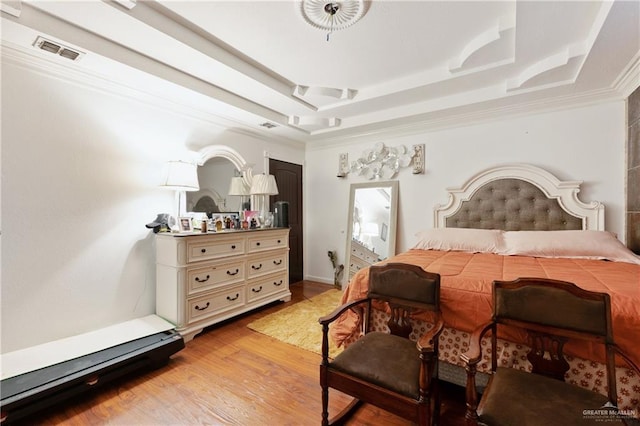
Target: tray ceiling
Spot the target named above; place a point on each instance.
(401, 66)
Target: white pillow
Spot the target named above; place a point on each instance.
(460, 239)
(581, 244)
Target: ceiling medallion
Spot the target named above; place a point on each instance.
(332, 15)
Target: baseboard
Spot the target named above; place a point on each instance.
(322, 280)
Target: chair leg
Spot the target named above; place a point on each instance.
(346, 412)
(325, 406)
(471, 396)
(436, 403)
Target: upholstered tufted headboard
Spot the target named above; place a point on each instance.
(518, 197)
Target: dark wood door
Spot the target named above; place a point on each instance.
(289, 179)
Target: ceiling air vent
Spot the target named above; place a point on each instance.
(69, 54)
(57, 48)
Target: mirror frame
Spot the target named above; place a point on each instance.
(393, 217)
(222, 151)
(211, 151)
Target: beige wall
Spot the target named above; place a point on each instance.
(633, 172)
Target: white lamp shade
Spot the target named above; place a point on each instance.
(264, 185)
(237, 186)
(181, 176)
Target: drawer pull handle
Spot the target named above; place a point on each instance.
(202, 309)
(231, 299)
(233, 247)
(277, 262)
(233, 273)
(278, 241)
(255, 268)
(257, 291)
(203, 250)
(278, 284)
(93, 380)
(258, 243)
(204, 280)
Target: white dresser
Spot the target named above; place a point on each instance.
(361, 257)
(203, 279)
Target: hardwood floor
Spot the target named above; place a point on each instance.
(230, 375)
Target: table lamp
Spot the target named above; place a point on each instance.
(181, 176)
(263, 186)
(238, 188)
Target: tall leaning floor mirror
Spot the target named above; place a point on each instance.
(371, 235)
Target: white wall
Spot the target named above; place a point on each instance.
(80, 169)
(581, 144)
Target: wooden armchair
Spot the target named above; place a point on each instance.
(388, 370)
(551, 312)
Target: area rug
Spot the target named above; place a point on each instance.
(298, 324)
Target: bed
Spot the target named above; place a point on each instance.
(513, 221)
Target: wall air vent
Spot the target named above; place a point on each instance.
(49, 47)
(57, 48)
(69, 54)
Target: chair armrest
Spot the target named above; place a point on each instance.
(328, 319)
(473, 355)
(625, 357)
(430, 338)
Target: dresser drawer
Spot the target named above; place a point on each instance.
(215, 275)
(214, 303)
(357, 264)
(265, 286)
(272, 262)
(364, 254)
(267, 240)
(214, 248)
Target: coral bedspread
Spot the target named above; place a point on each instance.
(465, 292)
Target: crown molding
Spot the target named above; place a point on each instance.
(624, 85)
(12, 7)
(629, 79)
(453, 119)
(16, 55)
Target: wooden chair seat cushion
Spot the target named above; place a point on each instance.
(389, 361)
(548, 402)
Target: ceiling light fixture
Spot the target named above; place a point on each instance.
(332, 15)
(331, 9)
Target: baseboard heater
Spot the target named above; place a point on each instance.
(31, 392)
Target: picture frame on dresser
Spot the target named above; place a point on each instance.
(233, 216)
(251, 214)
(185, 224)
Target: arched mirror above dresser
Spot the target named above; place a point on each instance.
(218, 164)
